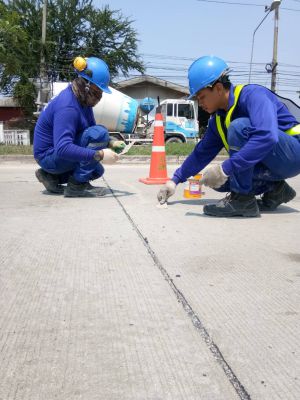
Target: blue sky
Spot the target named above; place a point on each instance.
(173, 33)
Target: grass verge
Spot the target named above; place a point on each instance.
(15, 149)
(172, 149)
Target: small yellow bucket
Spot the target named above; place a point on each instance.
(192, 188)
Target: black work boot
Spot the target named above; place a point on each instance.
(50, 181)
(282, 193)
(234, 205)
(77, 189)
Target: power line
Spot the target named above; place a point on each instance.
(244, 4)
(232, 3)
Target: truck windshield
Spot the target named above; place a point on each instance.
(170, 109)
(185, 110)
(163, 109)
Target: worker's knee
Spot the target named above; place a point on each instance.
(96, 137)
(238, 133)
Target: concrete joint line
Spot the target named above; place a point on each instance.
(239, 388)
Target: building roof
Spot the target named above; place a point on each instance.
(151, 79)
(10, 102)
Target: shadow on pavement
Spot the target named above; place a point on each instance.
(193, 214)
(45, 192)
(106, 193)
(119, 193)
(200, 202)
(281, 210)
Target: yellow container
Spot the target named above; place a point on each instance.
(192, 188)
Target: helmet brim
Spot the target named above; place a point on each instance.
(105, 89)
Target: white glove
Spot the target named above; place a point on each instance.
(166, 191)
(117, 145)
(109, 156)
(213, 176)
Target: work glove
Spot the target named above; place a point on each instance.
(109, 157)
(213, 176)
(166, 191)
(117, 145)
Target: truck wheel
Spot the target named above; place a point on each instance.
(174, 140)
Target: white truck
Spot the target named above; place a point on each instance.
(124, 118)
(180, 120)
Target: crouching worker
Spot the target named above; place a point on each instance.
(260, 134)
(68, 145)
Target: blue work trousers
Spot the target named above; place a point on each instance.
(95, 137)
(283, 161)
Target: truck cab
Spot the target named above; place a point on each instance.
(180, 120)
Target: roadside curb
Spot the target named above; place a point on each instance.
(17, 157)
(123, 159)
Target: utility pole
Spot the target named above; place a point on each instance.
(274, 6)
(275, 44)
(43, 92)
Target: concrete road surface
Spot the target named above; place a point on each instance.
(114, 299)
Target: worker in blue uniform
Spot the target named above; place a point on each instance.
(260, 134)
(68, 145)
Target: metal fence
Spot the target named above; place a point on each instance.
(15, 136)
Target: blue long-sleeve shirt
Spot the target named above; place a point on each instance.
(267, 115)
(58, 126)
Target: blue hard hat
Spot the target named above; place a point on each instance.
(96, 71)
(204, 72)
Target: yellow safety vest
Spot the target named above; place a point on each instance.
(295, 130)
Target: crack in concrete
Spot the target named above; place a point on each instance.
(216, 352)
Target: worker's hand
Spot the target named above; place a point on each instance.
(213, 176)
(166, 191)
(109, 156)
(117, 145)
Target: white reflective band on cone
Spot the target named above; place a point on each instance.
(158, 123)
(158, 149)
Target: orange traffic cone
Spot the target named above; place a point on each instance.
(158, 168)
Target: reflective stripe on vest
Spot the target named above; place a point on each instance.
(295, 130)
(237, 91)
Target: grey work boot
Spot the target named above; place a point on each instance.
(282, 193)
(234, 205)
(50, 181)
(78, 189)
(98, 190)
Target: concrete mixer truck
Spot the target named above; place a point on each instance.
(125, 118)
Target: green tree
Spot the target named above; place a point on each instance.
(67, 28)
(112, 38)
(16, 63)
(74, 27)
